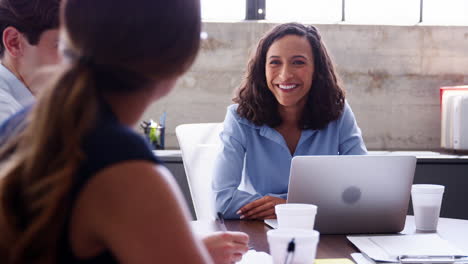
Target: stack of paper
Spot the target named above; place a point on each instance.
(389, 248)
(253, 256)
(258, 257)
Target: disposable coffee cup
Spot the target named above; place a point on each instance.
(305, 245)
(292, 215)
(427, 201)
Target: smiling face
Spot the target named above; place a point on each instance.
(289, 70)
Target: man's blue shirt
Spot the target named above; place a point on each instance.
(14, 95)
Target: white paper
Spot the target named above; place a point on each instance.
(256, 257)
(388, 248)
(273, 223)
(361, 259)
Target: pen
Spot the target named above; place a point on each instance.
(432, 258)
(290, 252)
(221, 222)
(162, 119)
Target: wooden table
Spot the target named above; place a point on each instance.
(335, 246)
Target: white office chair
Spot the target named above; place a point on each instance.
(199, 144)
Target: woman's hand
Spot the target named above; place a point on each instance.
(226, 247)
(263, 208)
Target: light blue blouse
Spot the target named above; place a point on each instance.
(254, 161)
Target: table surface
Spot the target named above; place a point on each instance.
(335, 246)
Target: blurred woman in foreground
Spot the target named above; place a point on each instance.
(77, 184)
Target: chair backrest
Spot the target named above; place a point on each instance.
(199, 144)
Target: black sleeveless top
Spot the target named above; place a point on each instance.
(107, 144)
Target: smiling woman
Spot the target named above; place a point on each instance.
(299, 54)
(289, 104)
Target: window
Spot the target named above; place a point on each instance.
(387, 12)
(393, 12)
(446, 12)
(223, 10)
(325, 11)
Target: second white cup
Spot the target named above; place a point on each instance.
(291, 215)
(305, 242)
(427, 200)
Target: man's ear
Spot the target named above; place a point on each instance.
(13, 41)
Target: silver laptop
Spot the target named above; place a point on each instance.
(354, 194)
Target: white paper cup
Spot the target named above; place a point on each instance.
(427, 200)
(291, 215)
(305, 245)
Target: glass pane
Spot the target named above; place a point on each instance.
(304, 10)
(393, 12)
(445, 12)
(222, 10)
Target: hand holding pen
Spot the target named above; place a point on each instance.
(226, 246)
(223, 226)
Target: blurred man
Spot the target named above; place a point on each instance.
(29, 40)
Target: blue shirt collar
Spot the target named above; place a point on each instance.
(273, 135)
(15, 87)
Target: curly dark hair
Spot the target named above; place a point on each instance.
(325, 100)
(30, 17)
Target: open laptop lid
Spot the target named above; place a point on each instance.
(354, 194)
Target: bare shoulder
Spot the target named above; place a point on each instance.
(134, 178)
(141, 183)
(128, 187)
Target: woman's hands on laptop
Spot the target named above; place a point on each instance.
(263, 208)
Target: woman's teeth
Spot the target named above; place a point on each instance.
(287, 87)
